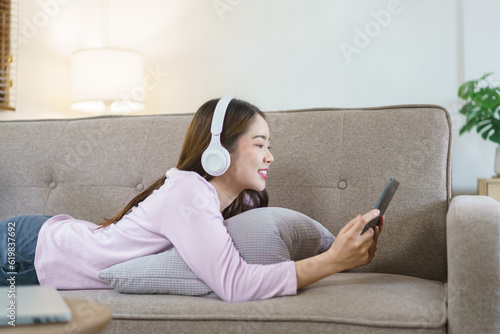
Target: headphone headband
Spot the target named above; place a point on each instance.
(219, 113)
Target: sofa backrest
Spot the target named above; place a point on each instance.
(330, 164)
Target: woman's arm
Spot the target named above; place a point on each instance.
(193, 223)
(350, 249)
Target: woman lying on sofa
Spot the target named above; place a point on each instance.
(185, 209)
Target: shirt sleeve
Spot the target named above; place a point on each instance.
(192, 221)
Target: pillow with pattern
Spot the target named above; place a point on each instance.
(262, 236)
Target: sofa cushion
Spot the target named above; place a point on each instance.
(262, 236)
(341, 303)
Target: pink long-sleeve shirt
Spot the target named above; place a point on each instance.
(183, 213)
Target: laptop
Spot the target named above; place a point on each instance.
(32, 304)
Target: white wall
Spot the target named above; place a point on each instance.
(276, 54)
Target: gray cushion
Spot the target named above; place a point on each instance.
(262, 236)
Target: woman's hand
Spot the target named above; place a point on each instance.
(350, 249)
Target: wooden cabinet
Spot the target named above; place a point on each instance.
(489, 187)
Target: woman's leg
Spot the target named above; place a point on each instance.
(18, 239)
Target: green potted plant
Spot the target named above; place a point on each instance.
(482, 111)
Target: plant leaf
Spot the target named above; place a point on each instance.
(485, 76)
(466, 108)
(462, 130)
(486, 133)
(487, 97)
(495, 137)
(467, 89)
(484, 125)
(482, 108)
(468, 125)
(478, 115)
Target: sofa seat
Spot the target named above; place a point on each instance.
(335, 304)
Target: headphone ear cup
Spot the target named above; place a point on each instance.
(215, 160)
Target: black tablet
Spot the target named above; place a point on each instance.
(383, 202)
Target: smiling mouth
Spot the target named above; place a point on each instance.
(263, 173)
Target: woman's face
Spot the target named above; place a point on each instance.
(251, 158)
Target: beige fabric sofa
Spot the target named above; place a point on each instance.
(437, 265)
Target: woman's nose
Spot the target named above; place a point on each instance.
(269, 157)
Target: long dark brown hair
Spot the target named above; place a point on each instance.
(239, 116)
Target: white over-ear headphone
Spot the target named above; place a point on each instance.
(216, 160)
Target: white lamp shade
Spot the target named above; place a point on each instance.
(107, 78)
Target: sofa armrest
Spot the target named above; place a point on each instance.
(473, 242)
